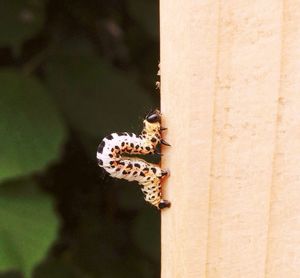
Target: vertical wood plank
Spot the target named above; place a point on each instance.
(230, 94)
(188, 67)
(245, 133)
(283, 258)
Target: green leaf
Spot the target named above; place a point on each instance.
(27, 226)
(149, 23)
(96, 97)
(20, 20)
(30, 128)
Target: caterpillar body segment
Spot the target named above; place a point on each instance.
(149, 176)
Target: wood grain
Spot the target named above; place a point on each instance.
(230, 96)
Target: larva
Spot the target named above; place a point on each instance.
(149, 176)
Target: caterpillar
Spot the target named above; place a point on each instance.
(110, 157)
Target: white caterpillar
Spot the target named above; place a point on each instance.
(148, 175)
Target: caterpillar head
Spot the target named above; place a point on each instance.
(152, 121)
(153, 116)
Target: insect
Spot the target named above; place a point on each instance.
(149, 176)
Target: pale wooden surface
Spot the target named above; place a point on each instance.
(230, 94)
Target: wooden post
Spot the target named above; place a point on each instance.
(230, 96)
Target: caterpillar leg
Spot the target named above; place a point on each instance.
(153, 196)
(164, 204)
(165, 173)
(162, 141)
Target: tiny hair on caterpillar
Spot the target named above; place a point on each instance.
(149, 176)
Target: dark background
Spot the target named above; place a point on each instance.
(71, 73)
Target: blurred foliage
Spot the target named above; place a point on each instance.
(31, 129)
(20, 20)
(28, 225)
(71, 72)
(70, 77)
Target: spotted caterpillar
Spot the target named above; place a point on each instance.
(148, 175)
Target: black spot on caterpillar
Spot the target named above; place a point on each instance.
(148, 175)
